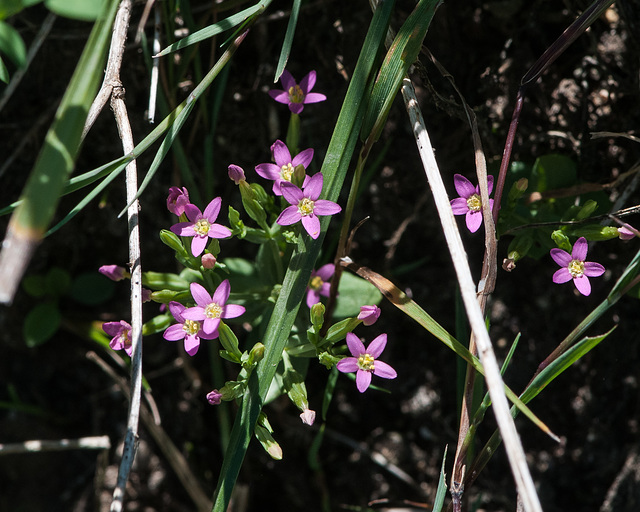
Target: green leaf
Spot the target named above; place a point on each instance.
(85, 10)
(40, 324)
(36, 285)
(551, 172)
(4, 72)
(57, 282)
(354, 292)
(11, 7)
(441, 491)
(91, 288)
(12, 45)
(164, 281)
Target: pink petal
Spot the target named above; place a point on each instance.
(562, 258)
(592, 269)
(307, 83)
(221, 295)
(268, 171)
(459, 206)
(312, 224)
(176, 309)
(191, 344)
(287, 80)
(356, 347)
(314, 187)
(281, 154)
(583, 285)
(313, 297)
(233, 311)
(210, 326)
(296, 108)
(473, 220)
(291, 193)
(183, 229)
(561, 276)
(580, 249)
(464, 188)
(325, 272)
(219, 231)
(193, 212)
(490, 184)
(200, 295)
(290, 215)
(314, 97)
(213, 209)
(376, 347)
(279, 96)
(383, 370)
(303, 158)
(195, 313)
(174, 332)
(198, 245)
(325, 289)
(325, 207)
(347, 365)
(363, 380)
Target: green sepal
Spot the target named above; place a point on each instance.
(328, 360)
(230, 357)
(229, 341)
(561, 240)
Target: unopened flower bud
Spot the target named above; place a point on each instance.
(236, 173)
(625, 233)
(208, 261)
(177, 200)
(308, 417)
(214, 397)
(256, 354)
(369, 314)
(317, 315)
(114, 272)
(146, 295)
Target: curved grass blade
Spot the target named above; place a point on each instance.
(56, 159)
(441, 491)
(217, 28)
(288, 39)
(334, 169)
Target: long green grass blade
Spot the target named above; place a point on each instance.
(288, 39)
(334, 169)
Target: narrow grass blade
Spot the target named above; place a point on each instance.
(441, 491)
(288, 39)
(56, 159)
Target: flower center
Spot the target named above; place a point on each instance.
(365, 362)
(316, 283)
(286, 171)
(306, 206)
(576, 268)
(474, 203)
(213, 310)
(191, 327)
(202, 227)
(295, 94)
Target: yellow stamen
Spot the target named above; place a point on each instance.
(576, 268)
(366, 362)
(474, 203)
(191, 327)
(213, 310)
(286, 171)
(316, 283)
(202, 227)
(295, 94)
(306, 206)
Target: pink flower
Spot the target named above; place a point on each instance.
(319, 283)
(575, 267)
(284, 165)
(627, 232)
(114, 272)
(369, 314)
(364, 361)
(177, 200)
(305, 205)
(308, 416)
(188, 330)
(201, 226)
(236, 173)
(294, 95)
(469, 202)
(121, 332)
(211, 309)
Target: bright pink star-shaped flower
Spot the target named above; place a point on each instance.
(121, 332)
(305, 205)
(294, 95)
(469, 202)
(188, 330)
(320, 283)
(575, 267)
(365, 361)
(201, 226)
(211, 309)
(284, 165)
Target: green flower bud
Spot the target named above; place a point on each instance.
(317, 315)
(263, 433)
(595, 232)
(561, 240)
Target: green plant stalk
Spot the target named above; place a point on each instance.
(56, 159)
(334, 170)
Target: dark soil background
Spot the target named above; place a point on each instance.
(377, 446)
